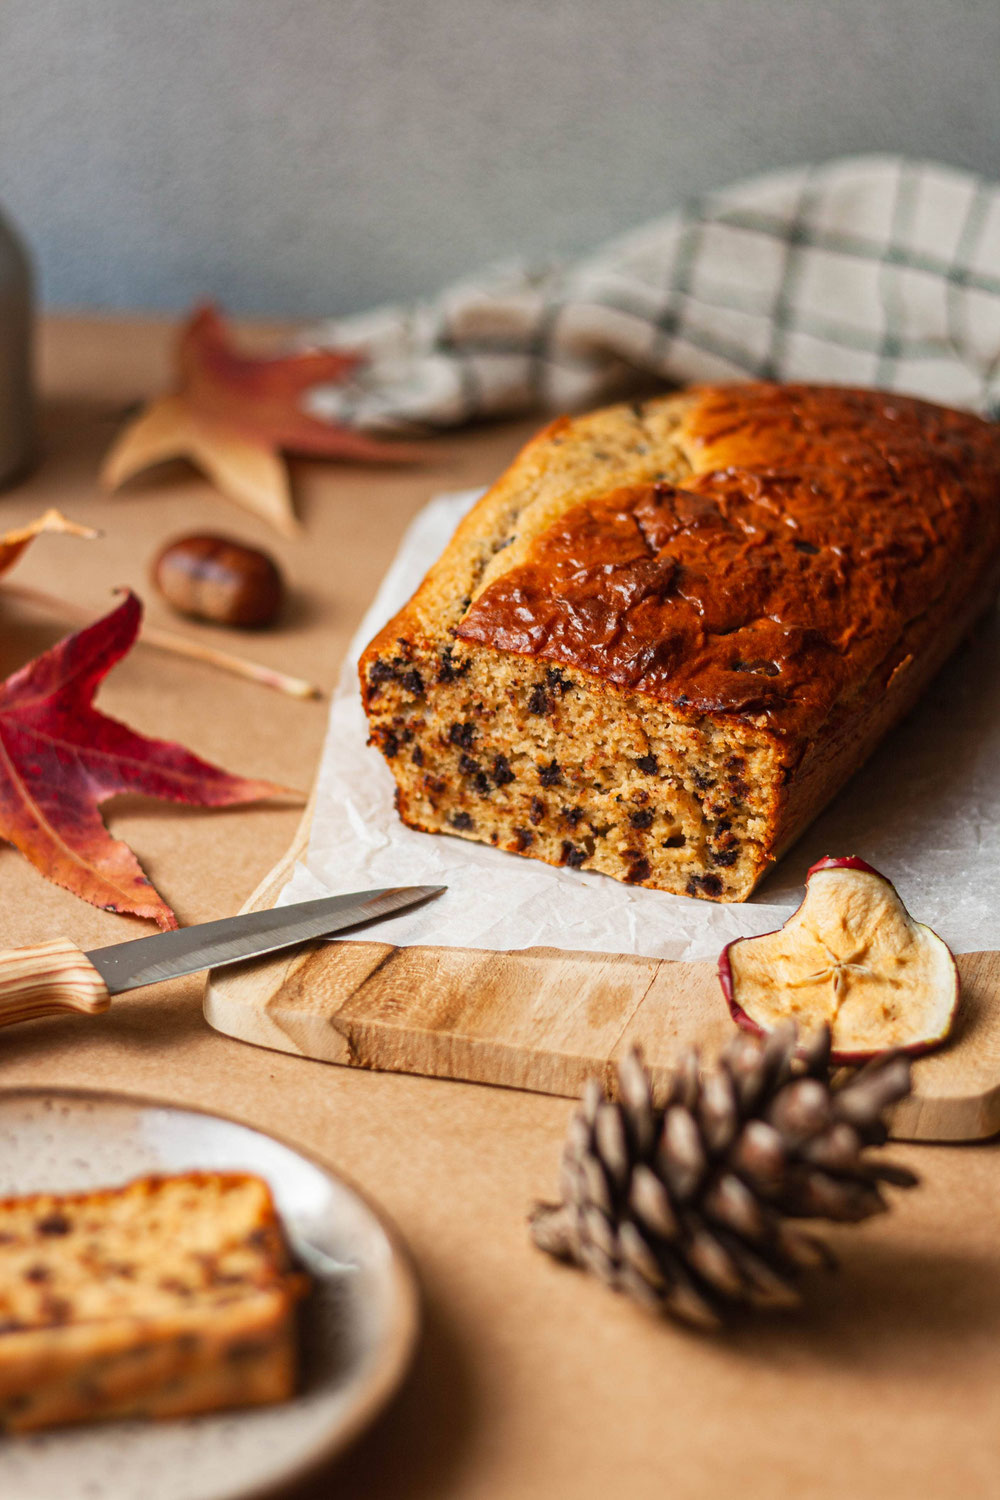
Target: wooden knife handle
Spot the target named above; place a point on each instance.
(48, 978)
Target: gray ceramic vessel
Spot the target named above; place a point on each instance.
(17, 417)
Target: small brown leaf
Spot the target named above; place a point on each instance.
(233, 415)
(13, 543)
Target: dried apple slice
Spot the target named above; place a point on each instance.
(852, 957)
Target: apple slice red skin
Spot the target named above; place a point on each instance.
(846, 862)
(838, 1057)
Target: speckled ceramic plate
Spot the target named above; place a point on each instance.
(359, 1332)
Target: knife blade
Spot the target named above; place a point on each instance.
(57, 976)
(209, 945)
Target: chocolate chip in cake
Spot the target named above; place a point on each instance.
(538, 702)
(449, 669)
(463, 735)
(641, 818)
(463, 821)
(557, 682)
(523, 837)
(379, 672)
(502, 773)
(175, 1285)
(675, 841)
(724, 857)
(537, 810)
(56, 1309)
(468, 766)
(709, 885)
(483, 786)
(573, 856)
(54, 1224)
(640, 868)
(550, 775)
(418, 756)
(389, 744)
(648, 764)
(412, 683)
(571, 815)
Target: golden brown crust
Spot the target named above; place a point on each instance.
(816, 524)
(561, 466)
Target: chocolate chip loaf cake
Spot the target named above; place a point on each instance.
(169, 1296)
(671, 631)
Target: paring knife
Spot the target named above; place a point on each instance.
(58, 976)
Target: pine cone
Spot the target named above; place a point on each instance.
(685, 1205)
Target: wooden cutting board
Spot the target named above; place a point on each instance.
(544, 1020)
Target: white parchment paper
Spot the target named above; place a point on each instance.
(925, 810)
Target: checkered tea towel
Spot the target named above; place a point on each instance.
(870, 270)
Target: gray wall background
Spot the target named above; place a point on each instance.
(318, 156)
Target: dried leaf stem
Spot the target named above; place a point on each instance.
(177, 645)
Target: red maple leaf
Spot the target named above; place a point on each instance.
(233, 414)
(60, 758)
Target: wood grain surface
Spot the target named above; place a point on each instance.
(545, 1020)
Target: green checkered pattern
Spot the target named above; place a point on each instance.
(874, 271)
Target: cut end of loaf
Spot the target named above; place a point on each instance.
(549, 763)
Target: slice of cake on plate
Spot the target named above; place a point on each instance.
(168, 1296)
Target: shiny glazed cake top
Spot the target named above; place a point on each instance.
(816, 525)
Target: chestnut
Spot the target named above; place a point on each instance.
(219, 579)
